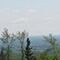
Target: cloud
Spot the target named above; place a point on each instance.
(5, 10)
(1, 11)
(17, 11)
(31, 11)
(49, 18)
(19, 20)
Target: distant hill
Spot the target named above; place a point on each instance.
(37, 42)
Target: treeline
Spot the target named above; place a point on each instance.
(7, 40)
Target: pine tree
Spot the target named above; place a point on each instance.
(28, 51)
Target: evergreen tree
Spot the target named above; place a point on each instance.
(28, 51)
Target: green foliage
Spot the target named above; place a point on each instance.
(28, 52)
(33, 58)
(7, 40)
(21, 37)
(7, 53)
(2, 54)
(43, 56)
(48, 57)
(54, 46)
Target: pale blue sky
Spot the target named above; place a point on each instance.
(38, 17)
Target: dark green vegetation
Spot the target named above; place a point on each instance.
(27, 53)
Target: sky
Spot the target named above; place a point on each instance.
(37, 17)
